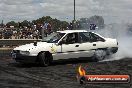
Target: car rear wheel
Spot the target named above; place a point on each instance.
(99, 55)
(43, 59)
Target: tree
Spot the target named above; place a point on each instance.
(25, 23)
(55, 23)
(12, 23)
(64, 24)
(97, 20)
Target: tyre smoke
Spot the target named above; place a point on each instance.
(123, 36)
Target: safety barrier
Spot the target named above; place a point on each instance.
(7, 45)
(5, 52)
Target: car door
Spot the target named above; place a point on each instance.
(69, 47)
(86, 46)
(97, 41)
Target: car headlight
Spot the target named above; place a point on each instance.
(25, 52)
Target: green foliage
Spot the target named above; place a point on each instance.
(12, 23)
(25, 23)
(97, 20)
(59, 25)
(55, 23)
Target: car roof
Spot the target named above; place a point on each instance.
(72, 31)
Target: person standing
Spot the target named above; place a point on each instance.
(70, 26)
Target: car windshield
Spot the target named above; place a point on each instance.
(53, 37)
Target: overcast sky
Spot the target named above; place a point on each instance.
(112, 10)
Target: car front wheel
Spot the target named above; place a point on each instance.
(43, 59)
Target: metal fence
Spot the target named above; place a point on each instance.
(7, 45)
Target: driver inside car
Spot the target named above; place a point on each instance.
(70, 39)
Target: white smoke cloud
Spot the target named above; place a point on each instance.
(120, 32)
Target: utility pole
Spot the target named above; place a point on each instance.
(74, 11)
(74, 16)
(2, 24)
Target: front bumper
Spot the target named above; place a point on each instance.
(23, 58)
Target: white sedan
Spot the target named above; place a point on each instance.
(64, 45)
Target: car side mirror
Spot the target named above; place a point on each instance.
(60, 43)
(35, 43)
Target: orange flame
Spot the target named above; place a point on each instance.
(81, 71)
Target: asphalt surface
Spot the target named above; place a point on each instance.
(62, 74)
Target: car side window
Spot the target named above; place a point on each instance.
(70, 38)
(95, 38)
(84, 37)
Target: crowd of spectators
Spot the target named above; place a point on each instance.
(21, 33)
(34, 32)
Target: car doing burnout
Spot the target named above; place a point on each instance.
(66, 44)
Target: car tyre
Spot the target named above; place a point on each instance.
(99, 55)
(43, 59)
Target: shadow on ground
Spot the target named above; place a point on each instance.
(54, 63)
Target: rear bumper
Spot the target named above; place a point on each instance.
(114, 49)
(24, 59)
